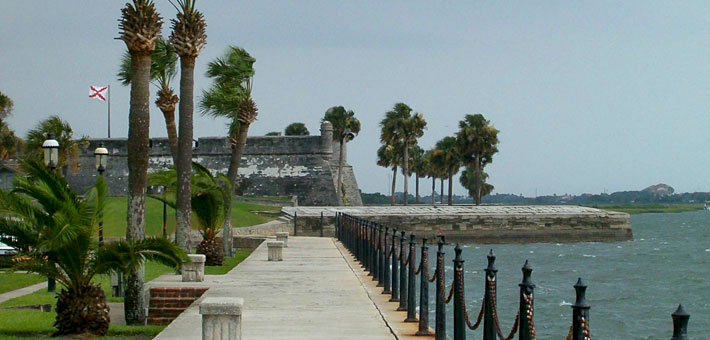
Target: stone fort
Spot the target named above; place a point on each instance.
(302, 166)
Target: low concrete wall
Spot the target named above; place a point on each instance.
(482, 224)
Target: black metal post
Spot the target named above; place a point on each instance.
(489, 327)
(526, 330)
(411, 280)
(380, 259)
(680, 324)
(402, 273)
(395, 268)
(440, 327)
(580, 313)
(386, 267)
(424, 290)
(459, 321)
(321, 224)
(295, 223)
(165, 220)
(373, 251)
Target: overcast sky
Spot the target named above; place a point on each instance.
(588, 96)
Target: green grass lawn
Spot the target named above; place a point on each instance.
(30, 324)
(651, 207)
(115, 216)
(12, 281)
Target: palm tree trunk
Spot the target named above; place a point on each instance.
(233, 175)
(405, 171)
(184, 161)
(433, 189)
(451, 176)
(479, 181)
(341, 162)
(138, 134)
(417, 194)
(441, 197)
(394, 181)
(172, 133)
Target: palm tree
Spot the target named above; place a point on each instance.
(230, 97)
(6, 106)
(45, 219)
(61, 130)
(345, 128)
(296, 129)
(208, 195)
(189, 38)
(477, 142)
(162, 72)
(139, 27)
(419, 166)
(469, 180)
(400, 125)
(448, 159)
(431, 172)
(389, 155)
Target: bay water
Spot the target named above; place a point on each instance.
(634, 286)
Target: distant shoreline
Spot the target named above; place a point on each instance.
(631, 208)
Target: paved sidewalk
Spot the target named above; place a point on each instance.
(22, 291)
(312, 294)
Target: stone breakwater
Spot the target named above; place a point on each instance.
(480, 224)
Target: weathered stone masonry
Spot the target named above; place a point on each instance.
(304, 166)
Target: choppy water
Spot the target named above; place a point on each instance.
(634, 286)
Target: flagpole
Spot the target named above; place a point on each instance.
(109, 111)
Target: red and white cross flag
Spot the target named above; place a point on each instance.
(98, 92)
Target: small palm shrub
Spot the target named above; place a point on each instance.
(55, 231)
(209, 193)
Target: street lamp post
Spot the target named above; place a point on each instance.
(51, 160)
(101, 154)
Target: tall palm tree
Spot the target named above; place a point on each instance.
(139, 27)
(45, 219)
(431, 172)
(447, 157)
(418, 166)
(389, 155)
(477, 142)
(230, 97)
(189, 38)
(70, 148)
(162, 72)
(345, 128)
(208, 195)
(296, 129)
(400, 125)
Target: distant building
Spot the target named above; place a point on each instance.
(8, 171)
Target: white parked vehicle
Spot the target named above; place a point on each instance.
(6, 250)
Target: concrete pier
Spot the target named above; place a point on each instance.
(481, 224)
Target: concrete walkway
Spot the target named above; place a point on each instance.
(22, 291)
(312, 294)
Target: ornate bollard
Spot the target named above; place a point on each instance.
(194, 271)
(386, 266)
(440, 327)
(402, 274)
(459, 316)
(283, 237)
(489, 326)
(321, 224)
(395, 268)
(580, 313)
(221, 318)
(380, 259)
(526, 331)
(411, 282)
(680, 324)
(424, 290)
(275, 250)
